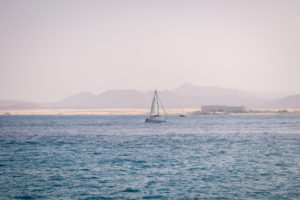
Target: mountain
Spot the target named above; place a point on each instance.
(209, 95)
(80, 100)
(187, 89)
(122, 99)
(287, 102)
(186, 95)
(117, 99)
(206, 91)
(17, 105)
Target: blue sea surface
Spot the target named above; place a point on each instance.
(121, 157)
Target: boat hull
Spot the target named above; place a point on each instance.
(155, 120)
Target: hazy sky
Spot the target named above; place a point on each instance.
(51, 49)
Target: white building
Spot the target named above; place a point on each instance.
(224, 109)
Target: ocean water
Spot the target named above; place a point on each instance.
(121, 157)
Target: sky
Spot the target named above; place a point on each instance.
(51, 49)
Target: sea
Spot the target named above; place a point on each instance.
(122, 157)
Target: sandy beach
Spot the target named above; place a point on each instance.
(127, 111)
(104, 111)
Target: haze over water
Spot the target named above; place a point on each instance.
(121, 157)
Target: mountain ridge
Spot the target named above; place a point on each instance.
(186, 95)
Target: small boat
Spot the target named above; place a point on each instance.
(182, 113)
(154, 116)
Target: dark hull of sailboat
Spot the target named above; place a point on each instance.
(155, 120)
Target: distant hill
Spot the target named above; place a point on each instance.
(287, 102)
(207, 91)
(187, 89)
(186, 95)
(215, 95)
(18, 105)
(80, 100)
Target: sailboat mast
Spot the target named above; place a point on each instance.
(157, 103)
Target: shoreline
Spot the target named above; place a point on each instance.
(135, 111)
(104, 111)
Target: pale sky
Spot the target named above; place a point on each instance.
(51, 49)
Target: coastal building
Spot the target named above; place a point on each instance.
(224, 109)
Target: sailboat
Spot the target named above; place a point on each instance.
(154, 116)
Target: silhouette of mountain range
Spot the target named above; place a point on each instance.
(16, 104)
(292, 101)
(186, 95)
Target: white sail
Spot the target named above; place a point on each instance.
(154, 106)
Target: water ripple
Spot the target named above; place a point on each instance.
(121, 157)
